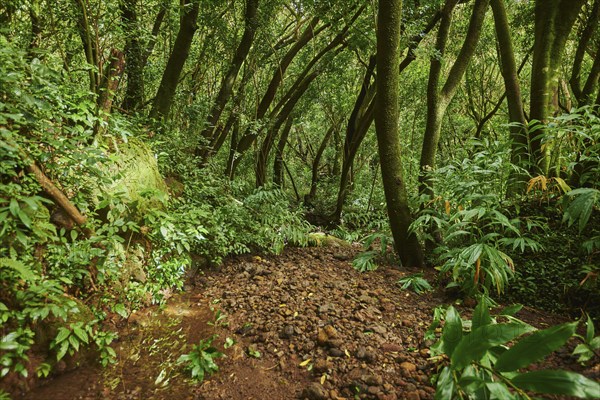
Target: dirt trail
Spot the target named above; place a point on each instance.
(305, 325)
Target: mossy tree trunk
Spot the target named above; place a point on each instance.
(516, 113)
(181, 50)
(386, 126)
(438, 100)
(554, 20)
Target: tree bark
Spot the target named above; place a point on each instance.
(181, 50)
(134, 54)
(554, 20)
(315, 166)
(516, 114)
(278, 166)
(362, 115)
(438, 100)
(251, 25)
(386, 127)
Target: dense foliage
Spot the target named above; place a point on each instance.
(143, 140)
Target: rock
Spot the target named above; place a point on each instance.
(377, 329)
(322, 337)
(373, 390)
(334, 352)
(287, 332)
(412, 396)
(372, 380)
(407, 368)
(363, 353)
(391, 348)
(321, 366)
(314, 391)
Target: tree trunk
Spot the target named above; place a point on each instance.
(181, 50)
(438, 101)
(554, 20)
(516, 114)
(315, 166)
(362, 115)
(278, 166)
(134, 54)
(251, 25)
(265, 149)
(89, 44)
(386, 127)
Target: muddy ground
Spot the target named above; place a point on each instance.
(305, 325)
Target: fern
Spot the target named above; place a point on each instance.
(580, 207)
(21, 269)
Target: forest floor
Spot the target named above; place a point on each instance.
(305, 325)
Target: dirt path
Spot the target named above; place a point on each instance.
(305, 325)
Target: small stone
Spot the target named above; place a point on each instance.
(377, 329)
(372, 380)
(408, 368)
(391, 348)
(413, 396)
(373, 390)
(322, 338)
(321, 366)
(287, 332)
(333, 352)
(314, 391)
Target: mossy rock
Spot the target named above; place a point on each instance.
(320, 239)
(138, 179)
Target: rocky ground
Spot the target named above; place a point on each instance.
(305, 325)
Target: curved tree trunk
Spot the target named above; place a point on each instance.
(362, 115)
(181, 50)
(438, 101)
(386, 127)
(251, 26)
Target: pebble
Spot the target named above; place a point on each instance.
(314, 391)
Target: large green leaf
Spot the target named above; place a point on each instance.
(481, 315)
(535, 347)
(475, 344)
(558, 382)
(445, 385)
(452, 332)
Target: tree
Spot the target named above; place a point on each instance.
(386, 127)
(181, 50)
(554, 20)
(439, 99)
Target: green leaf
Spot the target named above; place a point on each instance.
(81, 334)
(452, 332)
(481, 315)
(511, 310)
(589, 332)
(14, 207)
(558, 382)
(24, 218)
(63, 333)
(445, 385)
(535, 347)
(475, 344)
(74, 342)
(64, 346)
(498, 391)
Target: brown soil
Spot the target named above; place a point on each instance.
(317, 328)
